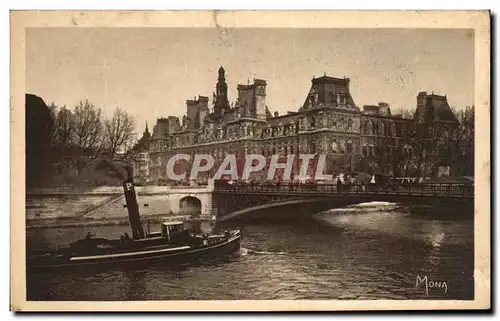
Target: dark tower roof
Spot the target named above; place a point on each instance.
(326, 90)
(221, 102)
(434, 108)
(222, 73)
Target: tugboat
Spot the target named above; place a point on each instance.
(177, 241)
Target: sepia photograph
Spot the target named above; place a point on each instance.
(214, 157)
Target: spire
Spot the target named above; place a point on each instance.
(147, 130)
(220, 98)
(222, 72)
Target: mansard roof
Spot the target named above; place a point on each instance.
(436, 105)
(328, 79)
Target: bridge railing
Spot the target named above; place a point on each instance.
(437, 190)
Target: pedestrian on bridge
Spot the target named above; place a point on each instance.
(339, 185)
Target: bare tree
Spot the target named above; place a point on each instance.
(119, 132)
(87, 125)
(405, 113)
(461, 140)
(63, 127)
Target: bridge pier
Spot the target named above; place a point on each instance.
(191, 200)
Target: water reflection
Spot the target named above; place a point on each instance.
(391, 219)
(134, 283)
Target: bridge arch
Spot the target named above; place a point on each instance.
(190, 205)
(292, 203)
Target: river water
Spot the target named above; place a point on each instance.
(368, 251)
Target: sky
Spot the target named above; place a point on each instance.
(151, 72)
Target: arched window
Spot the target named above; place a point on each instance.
(381, 129)
(370, 127)
(348, 147)
(408, 151)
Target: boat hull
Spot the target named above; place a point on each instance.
(146, 256)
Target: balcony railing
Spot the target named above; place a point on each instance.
(419, 190)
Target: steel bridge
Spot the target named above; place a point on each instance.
(234, 200)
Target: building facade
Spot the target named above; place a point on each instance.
(329, 122)
(139, 157)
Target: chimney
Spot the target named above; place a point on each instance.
(384, 109)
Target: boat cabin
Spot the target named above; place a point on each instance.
(174, 231)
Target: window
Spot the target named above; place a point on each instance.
(312, 122)
(365, 151)
(408, 151)
(335, 147)
(348, 147)
(341, 99)
(349, 124)
(381, 129)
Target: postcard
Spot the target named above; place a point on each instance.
(250, 160)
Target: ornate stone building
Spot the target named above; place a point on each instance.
(329, 122)
(140, 158)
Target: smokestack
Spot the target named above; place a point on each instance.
(133, 210)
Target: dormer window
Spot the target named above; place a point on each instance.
(313, 122)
